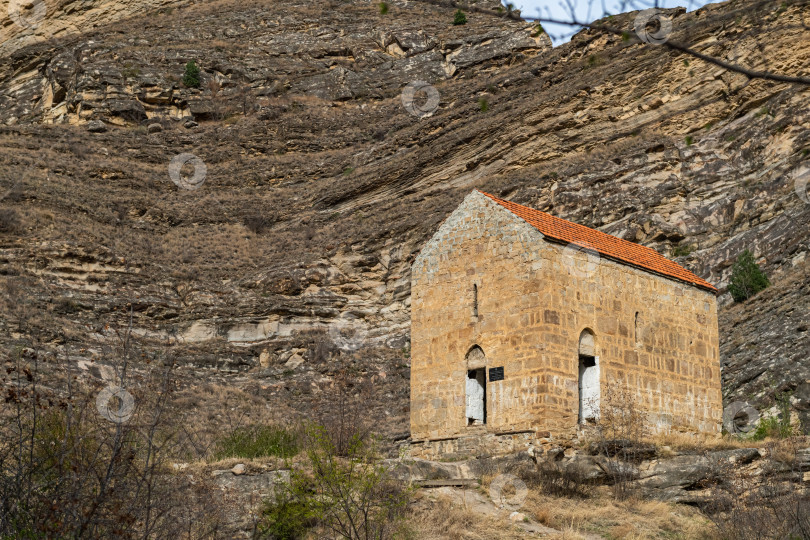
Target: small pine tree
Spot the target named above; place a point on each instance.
(459, 18)
(383, 8)
(746, 278)
(191, 77)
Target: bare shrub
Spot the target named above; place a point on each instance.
(15, 194)
(68, 471)
(619, 435)
(25, 312)
(257, 222)
(344, 414)
(321, 351)
(9, 220)
(766, 500)
(560, 479)
(248, 99)
(351, 495)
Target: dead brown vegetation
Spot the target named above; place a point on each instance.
(9, 220)
(604, 515)
(442, 518)
(768, 500)
(69, 469)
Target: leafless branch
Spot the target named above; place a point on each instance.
(675, 45)
(574, 22)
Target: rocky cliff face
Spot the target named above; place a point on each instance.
(287, 266)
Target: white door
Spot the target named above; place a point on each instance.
(588, 388)
(475, 398)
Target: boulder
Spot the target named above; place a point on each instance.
(498, 47)
(588, 468)
(96, 126)
(294, 361)
(202, 109)
(414, 42)
(415, 469)
(127, 109)
(264, 358)
(672, 478)
(339, 84)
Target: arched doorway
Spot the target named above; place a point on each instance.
(589, 393)
(476, 387)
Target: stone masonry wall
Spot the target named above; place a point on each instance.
(535, 298)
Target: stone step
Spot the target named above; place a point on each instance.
(447, 482)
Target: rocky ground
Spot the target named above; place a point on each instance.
(286, 271)
(546, 494)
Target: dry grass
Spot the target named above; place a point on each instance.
(605, 516)
(205, 468)
(686, 442)
(598, 516)
(217, 411)
(785, 450)
(570, 534)
(443, 519)
(677, 441)
(601, 516)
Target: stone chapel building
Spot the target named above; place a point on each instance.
(520, 321)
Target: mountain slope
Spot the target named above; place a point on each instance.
(287, 271)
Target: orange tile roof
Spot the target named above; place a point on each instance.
(605, 244)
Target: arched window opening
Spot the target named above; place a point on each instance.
(475, 300)
(635, 327)
(589, 393)
(476, 387)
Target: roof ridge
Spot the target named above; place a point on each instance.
(613, 247)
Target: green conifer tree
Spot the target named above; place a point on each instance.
(746, 278)
(191, 77)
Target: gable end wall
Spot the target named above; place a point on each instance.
(534, 301)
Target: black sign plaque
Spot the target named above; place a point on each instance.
(495, 374)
